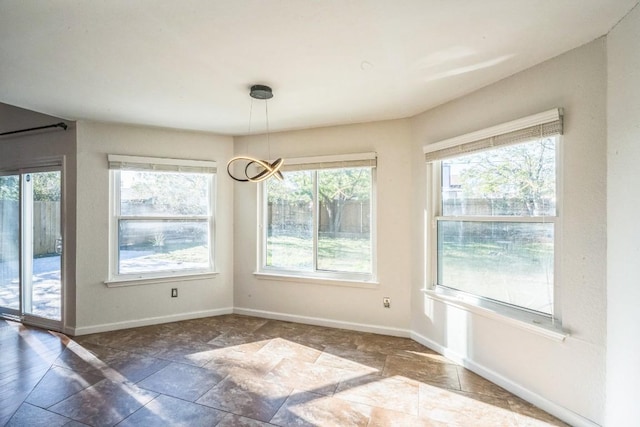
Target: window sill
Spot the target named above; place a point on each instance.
(317, 280)
(117, 283)
(539, 325)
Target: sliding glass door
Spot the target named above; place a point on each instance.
(10, 245)
(31, 246)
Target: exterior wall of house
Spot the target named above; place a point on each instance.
(623, 231)
(102, 308)
(28, 149)
(320, 303)
(564, 377)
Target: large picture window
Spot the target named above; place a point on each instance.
(318, 221)
(494, 210)
(162, 217)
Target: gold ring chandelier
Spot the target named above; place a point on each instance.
(266, 169)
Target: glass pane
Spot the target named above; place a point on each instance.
(290, 221)
(44, 287)
(344, 229)
(504, 261)
(145, 193)
(161, 246)
(517, 180)
(9, 242)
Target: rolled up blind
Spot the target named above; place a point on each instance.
(331, 162)
(160, 164)
(529, 128)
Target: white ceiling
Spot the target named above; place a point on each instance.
(188, 64)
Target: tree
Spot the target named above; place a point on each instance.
(9, 187)
(290, 203)
(164, 192)
(336, 187)
(522, 173)
(46, 186)
(296, 187)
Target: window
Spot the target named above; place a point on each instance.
(494, 213)
(319, 221)
(162, 217)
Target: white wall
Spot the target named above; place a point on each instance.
(329, 304)
(623, 292)
(25, 149)
(102, 308)
(565, 375)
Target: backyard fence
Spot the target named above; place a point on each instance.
(296, 218)
(46, 225)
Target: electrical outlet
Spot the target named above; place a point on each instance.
(174, 292)
(386, 302)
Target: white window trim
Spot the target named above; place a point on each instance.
(117, 163)
(550, 325)
(297, 277)
(368, 280)
(118, 283)
(539, 325)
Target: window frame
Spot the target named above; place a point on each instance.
(117, 164)
(316, 164)
(433, 209)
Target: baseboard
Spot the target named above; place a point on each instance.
(554, 409)
(558, 411)
(318, 321)
(105, 327)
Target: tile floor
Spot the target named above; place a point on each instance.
(237, 370)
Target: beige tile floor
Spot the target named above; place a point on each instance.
(243, 371)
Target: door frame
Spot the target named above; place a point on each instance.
(41, 165)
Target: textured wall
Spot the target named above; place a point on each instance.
(346, 304)
(623, 292)
(103, 308)
(575, 81)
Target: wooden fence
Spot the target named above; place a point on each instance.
(46, 227)
(46, 224)
(296, 218)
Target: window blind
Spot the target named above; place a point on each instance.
(529, 128)
(330, 162)
(160, 164)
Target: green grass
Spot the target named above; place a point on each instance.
(199, 254)
(521, 275)
(334, 254)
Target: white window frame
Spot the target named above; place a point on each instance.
(118, 163)
(325, 277)
(546, 123)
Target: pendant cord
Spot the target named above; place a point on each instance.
(266, 113)
(250, 116)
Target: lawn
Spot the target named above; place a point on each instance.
(334, 253)
(519, 274)
(150, 261)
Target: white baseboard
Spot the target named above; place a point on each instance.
(105, 327)
(554, 409)
(318, 321)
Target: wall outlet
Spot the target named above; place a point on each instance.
(386, 302)
(174, 292)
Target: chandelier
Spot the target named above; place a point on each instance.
(265, 168)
